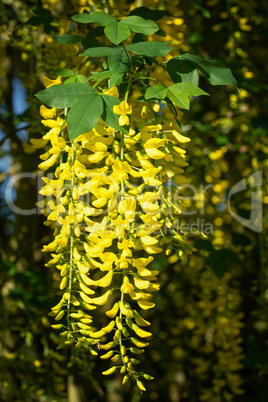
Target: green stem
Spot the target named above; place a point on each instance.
(62, 133)
(147, 78)
(120, 318)
(128, 55)
(122, 145)
(71, 250)
(128, 89)
(81, 65)
(98, 82)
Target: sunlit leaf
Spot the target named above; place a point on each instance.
(84, 115)
(64, 72)
(98, 17)
(187, 89)
(214, 75)
(64, 96)
(182, 71)
(117, 32)
(151, 49)
(97, 51)
(140, 25)
(157, 91)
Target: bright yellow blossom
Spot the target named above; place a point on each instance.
(123, 109)
(48, 82)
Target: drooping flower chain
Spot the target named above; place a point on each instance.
(112, 208)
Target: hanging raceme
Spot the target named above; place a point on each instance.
(111, 201)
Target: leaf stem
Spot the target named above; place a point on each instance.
(98, 82)
(128, 55)
(62, 133)
(81, 65)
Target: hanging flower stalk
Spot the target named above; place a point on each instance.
(111, 198)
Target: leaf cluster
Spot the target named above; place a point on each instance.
(121, 66)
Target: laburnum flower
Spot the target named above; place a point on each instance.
(127, 287)
(151, 148)
(48, 82)
(47, 113)
(112, 92)
(123, 109)
(104, 227)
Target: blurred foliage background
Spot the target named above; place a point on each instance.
(210, 320)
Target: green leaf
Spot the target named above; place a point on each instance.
(67, 39)
(214, 75)
(179, 93)
(116, 79)
(179, 98)
(96, 32)
(80, 78)
(76, 78)
(70, 79)
(98, 17)
(64, 72)
(138, 38)
(116, 32)
(90, 42)
(162, 33)
(187, 89)
(140, 25)
(97, 51)
(182, 71)
(157, 92)
(108, 115)
(151, 49)
(64, 96)
(147, 13)
(96, 76)
(45, 17)
(84, 115)
(118, 60)
(138, 61)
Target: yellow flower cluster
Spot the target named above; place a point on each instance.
(110, 202)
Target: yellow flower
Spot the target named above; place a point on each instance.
(151, 148)
(47, 113)
(49, 162)
(120, 170)
(144, 112)
(128, 207)
(123, 109)
(112, 92)
(38, 142)
(156, 107)
(48, 82)
(181, 138)
(59, 123)
(127, 287)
